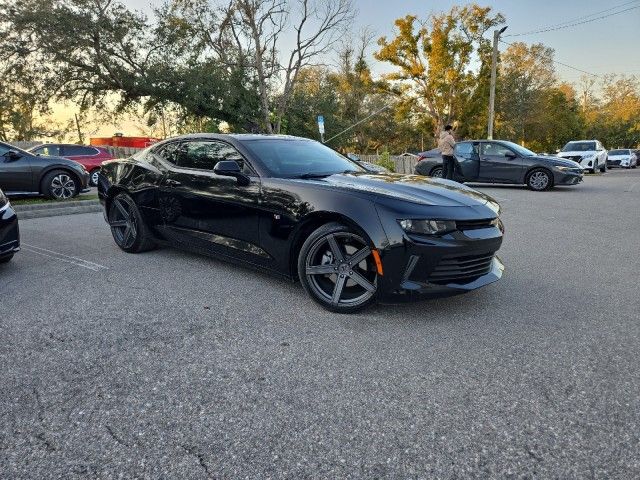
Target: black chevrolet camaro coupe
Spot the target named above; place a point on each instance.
(297, 208)
(9, 233)
(499, 161)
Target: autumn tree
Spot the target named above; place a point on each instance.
(433, 59)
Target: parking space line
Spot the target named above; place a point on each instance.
(96, 267)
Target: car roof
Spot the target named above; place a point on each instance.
(238, 136)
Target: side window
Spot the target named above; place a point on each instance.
(463, 149)
(51, 150)
(201, 155)
(495, 150)
(3, 149)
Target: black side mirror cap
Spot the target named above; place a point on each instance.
(231, 168)
(12, 155)
(511, 155)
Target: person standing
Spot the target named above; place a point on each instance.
(446, 144)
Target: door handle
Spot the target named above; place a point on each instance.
(173, 183)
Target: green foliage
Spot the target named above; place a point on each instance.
(386, 162)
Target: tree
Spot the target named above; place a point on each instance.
(433, 59)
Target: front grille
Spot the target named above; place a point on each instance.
(614, 162)
(475, 224)
(575, 158)
(461, 269)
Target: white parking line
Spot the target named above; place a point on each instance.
(96, 267)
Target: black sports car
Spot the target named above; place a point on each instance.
(26, 173)
(499, 161)
(297, 208)
(9, 233)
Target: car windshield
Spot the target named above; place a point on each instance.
(618, 152)
(524, 152)
(289, 158)
(579, 147)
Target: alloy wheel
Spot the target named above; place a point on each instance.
(539, 180)
(94, 177)
(437, 173)
(340, 270)
(63, 186)
(123, 223)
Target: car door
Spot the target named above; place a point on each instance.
(208, 211)
(16, 174)
(498, 163)
(468, 158)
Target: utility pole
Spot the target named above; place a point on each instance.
(492, 90)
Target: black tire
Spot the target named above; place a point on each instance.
(6, 259)
(128, 230)
(603, 168)
(93, 177)
(594, 170)
(60, 185)
(436, 172)
(337, 269)
(536, 180)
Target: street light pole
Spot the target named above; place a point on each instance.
(492, 90)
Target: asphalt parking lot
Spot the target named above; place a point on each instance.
(171, 365)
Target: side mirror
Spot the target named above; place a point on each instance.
(12, 155)
(353, 156)
(230, 168)
(558, 150)
(510, 155)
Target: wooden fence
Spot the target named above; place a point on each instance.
(403, 163)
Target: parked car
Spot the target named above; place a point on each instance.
(372, 167)
(430, 163)
(295, 207)
(588, 153)
(22, 172)
(622, 158)
(9, 232)
(499, 161)
(89, 156)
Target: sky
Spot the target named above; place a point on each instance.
(607, 45)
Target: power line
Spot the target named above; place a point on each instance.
(564, 25)
(563, 64)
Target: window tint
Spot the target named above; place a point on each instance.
(579, 147)
(78, 150)
(3, 149)
(202, 155)
(51, 150)
(495, 149)
(619, 152)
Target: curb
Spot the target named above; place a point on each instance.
(54, 209)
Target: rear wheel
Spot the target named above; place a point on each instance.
(539, 180)
(93, 177)
(128, 230)
(436, 172)
(337, 269)
(60, 185)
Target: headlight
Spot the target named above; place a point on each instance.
(4, 201)
(562, 168)
(427, 227)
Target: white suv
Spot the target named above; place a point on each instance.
(590, 154)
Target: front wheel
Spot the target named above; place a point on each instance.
(6, 259)
(127, 227)
(603, 168)
(60, 185)
(337, 269)
(539, 180)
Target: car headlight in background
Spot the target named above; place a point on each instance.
(4, 201)
(427, 227)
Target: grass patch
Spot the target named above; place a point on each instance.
(34, 200)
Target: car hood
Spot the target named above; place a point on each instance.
(561, 162)
(581, 153)
(411, 188)
(621, 156)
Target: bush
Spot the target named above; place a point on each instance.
(386, 162)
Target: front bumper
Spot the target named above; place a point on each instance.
(442, 266)
(567, 178)
(9, 231)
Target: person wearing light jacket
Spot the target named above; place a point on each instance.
(446, 144)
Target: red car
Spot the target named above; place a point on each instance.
(89, 156)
